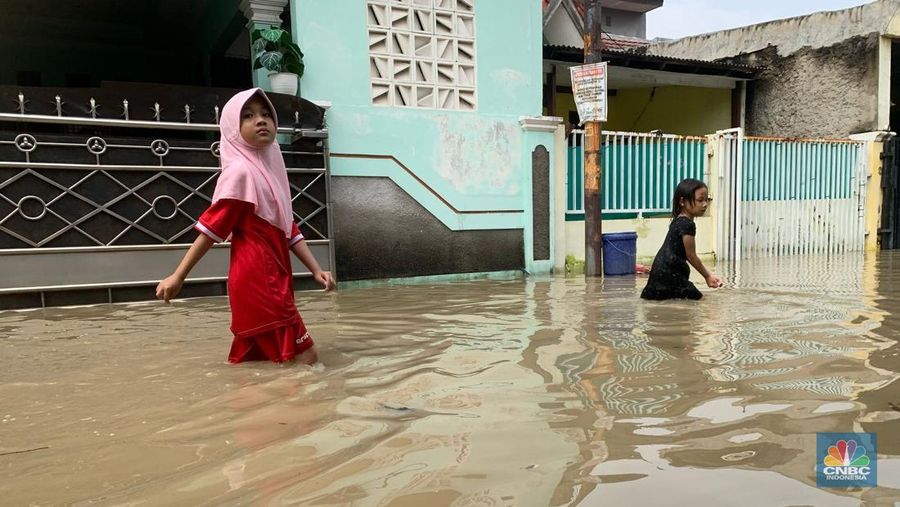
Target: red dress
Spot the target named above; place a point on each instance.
(264, 317)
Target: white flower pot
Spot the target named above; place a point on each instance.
(284, 82)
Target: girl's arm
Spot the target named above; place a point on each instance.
(690, 249)
(171, 286)
(302, 251)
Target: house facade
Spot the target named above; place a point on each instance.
(827, 74)
(439, 154)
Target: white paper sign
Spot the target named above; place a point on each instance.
(589, 88)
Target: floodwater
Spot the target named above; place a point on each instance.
(539, 391)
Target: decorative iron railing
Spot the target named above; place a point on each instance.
(75, 182)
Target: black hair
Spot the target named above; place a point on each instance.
(686, 190)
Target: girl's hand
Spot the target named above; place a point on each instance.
(324, 278)
(713, 281)
(169, 288)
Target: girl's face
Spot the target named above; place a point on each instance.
(257, 124)
(698, 207)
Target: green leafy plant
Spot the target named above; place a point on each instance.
(574, 266)
(276, 51)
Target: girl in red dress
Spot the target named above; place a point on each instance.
(252, 206)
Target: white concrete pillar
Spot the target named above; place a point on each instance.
(883, 116)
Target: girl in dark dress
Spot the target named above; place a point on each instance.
(670, 272)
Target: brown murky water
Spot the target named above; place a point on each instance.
(541, 391)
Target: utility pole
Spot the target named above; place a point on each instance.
(593, 227)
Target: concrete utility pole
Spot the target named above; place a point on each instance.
(593, 228)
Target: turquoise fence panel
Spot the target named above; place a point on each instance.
(784, 169)
(640, 171)
(575, 197)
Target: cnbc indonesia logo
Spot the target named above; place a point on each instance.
(847, 458)
(847, 461)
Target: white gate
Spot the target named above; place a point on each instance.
(804, 196)
(789, 196)
(728, 194)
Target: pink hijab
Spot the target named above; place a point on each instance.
(251, 174)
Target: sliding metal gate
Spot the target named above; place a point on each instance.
(98, 208)
(789, 196)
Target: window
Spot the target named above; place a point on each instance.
(422, 53)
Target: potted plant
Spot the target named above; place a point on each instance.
(276, 51)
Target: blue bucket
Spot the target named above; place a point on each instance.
(619, 253)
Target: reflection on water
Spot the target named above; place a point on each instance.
(541, 391)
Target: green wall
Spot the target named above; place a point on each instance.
(474, 160)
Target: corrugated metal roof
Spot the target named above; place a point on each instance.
(627, 56)
(612, 41)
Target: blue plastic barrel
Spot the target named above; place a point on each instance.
(619, 253)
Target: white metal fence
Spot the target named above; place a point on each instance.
(773, 196)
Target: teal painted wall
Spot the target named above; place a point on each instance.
(474, 160)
